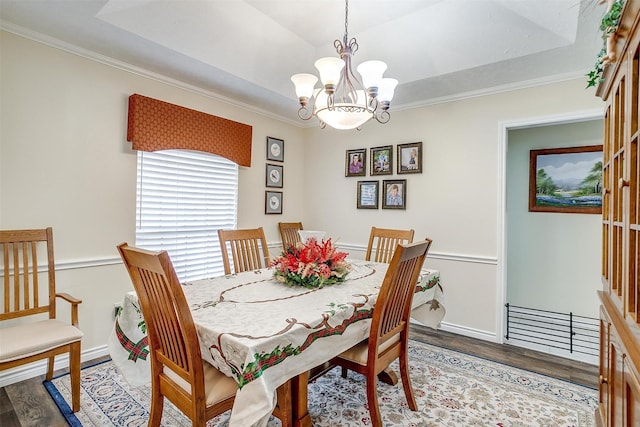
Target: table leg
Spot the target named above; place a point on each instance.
(301, 417)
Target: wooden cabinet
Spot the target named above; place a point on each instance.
(619, 391)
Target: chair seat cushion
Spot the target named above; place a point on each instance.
(358, 353)
(17, 342)
(217, 385)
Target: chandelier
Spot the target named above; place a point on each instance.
(345, 101)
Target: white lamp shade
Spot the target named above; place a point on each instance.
(329, 69)
(386, 89)
(304, 84)
(371, 72)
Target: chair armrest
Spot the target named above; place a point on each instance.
(74, 306)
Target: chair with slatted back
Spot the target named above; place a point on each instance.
(389, 334)
(178, 371)
(248, 249)
(30, 294)
(383, 241)
(289, 233)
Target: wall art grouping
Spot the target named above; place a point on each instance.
(274, 176)
(394, 194)
(407, 159)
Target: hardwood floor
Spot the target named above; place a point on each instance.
(28, 404)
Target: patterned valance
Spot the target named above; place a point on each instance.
(157, 125)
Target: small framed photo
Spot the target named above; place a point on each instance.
(355, 162)
(566, 180)
(368, 194)
(275, 149)
(273, 202)
(274, 175)
(381, 160)
(394, 194)
(410, 158)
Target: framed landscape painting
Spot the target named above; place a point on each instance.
(566, 180)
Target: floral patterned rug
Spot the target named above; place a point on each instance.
(452, 389)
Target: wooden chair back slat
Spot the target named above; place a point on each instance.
(248, 248)
(289, 233)
(393, 306)
(22, 272)
(383, 242)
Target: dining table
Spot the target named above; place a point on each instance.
(263, 333)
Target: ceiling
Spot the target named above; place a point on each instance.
(246, 50)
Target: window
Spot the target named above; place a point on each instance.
(183, 198)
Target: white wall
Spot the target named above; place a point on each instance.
(65, 162)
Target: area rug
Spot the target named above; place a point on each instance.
(451, 388)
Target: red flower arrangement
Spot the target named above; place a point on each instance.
(311, 264)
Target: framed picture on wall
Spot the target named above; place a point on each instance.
(566, 180)
(273, 202)
(274, 175)
(355, 162)
(394, 194)
(275, 149)
(410, 158)
(367, 195)
(381, 160)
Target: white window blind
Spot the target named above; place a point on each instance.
(183, 198)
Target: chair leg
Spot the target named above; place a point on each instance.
(344, 372)
(74, 371)
(50, 363)
(406, 381)
(372, 400)
(157, 403)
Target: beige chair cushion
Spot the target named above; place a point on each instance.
(17, 342)
(358, 353)
(217, 386)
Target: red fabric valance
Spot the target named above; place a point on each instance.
(157, 125)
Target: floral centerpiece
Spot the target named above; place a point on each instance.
(311, 264)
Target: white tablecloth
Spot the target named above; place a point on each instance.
(262, 332)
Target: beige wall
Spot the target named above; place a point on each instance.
(456, 201)
(65, 162)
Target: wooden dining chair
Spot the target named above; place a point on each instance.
(248, 248)
(178, 371)
(30, 293)
(389, 334)
(289, 233)
(383, 241)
